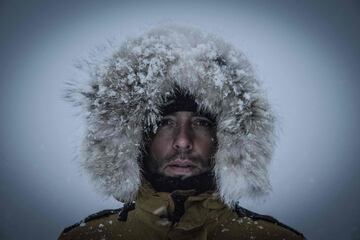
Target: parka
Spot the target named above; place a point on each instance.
(121, 99)
(153, 217)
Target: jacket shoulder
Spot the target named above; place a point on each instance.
(243, 212)
(96, 224)
(98, 215)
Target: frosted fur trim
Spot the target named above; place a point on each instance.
(126, 89)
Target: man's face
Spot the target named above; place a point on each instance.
(183, 145)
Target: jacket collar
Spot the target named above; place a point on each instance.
(155, 208)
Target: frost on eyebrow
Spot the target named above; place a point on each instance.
(209, 122)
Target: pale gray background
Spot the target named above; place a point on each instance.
(306, 53)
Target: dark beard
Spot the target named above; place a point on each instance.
(200, 183)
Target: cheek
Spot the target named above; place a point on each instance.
(160, 146)
(206, 146)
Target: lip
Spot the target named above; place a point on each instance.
(180, 167)
(181, 163)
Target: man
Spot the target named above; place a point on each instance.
(180, 131)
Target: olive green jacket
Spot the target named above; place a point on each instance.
(156, 216)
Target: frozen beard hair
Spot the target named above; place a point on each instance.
(200, 183)
(179, 101)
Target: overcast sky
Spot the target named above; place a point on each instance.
(306, 54)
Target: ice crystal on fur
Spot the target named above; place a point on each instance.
(126, 90)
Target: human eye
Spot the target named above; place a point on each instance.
(202, 122)
(166, 122)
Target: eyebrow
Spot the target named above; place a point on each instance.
(167, 116)
(202, 117)
(195, 115)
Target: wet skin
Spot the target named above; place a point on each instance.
(183, 145)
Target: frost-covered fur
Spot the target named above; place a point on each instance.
(126, 90)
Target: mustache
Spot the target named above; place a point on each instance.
(182, 155)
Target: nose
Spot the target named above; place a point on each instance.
(183, 140)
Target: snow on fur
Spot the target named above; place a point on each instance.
(124, 93)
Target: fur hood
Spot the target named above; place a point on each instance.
(124, 94)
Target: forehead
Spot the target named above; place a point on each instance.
(185, 115)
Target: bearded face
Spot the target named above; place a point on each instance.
(183, 145)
